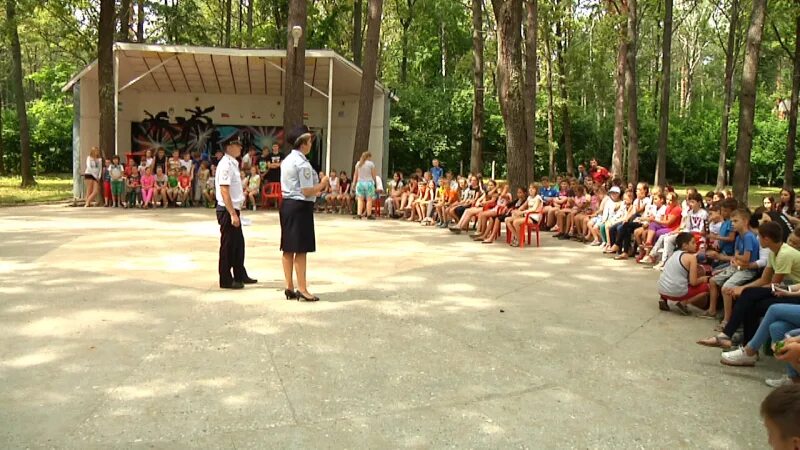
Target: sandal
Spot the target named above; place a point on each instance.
(721, 326)
(663, 305)
(707, 315)
(682, 308)
(718, 341)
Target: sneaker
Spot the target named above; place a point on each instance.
(647, 260)
(738, 358)
(778, 382)
(659, 266)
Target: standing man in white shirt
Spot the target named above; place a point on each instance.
(230, 197)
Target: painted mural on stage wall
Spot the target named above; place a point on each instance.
(198, 132)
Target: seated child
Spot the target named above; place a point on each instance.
(184, 187)
(107, 183)
(172, 182)
(492, 229)
(253, 186)
(202, 176)
(162, 182)
(134, 188)
(148, 187)
(694, 222)
(517, 218)
(116, 172)
(781, 413)
(737, 273)
(335, 194)
(210, 190)
(680, 281)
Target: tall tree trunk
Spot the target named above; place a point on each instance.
(508, 14)
(551, 145)
(632, 84)
(531, 38)
(663, 113)
(358, 41)
(250, 23)
(293, 97)
(140, 17)
(476, 151)
(788, 177)
(26, 160)
(656, 63)
(443, 48)
(365, 100)
(2, 143)
(105, 68)
(566, 123)
(404, 56)
(617, 157)
(747, 102)
(730, 65)
(241, 22)
(228, 14)
(124, 21)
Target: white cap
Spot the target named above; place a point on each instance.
(614, 189)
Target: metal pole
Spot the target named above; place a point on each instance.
(116, 102)
(330, 115)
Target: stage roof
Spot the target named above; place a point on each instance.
(212, 70)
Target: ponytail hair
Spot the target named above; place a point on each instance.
(364, 157)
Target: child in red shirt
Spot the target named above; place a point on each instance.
(184, 187)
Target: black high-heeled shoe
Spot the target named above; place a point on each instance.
(302, 298)
(290, 295)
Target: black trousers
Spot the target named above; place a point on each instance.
(750, 308)
(625, 234)
(231, 249)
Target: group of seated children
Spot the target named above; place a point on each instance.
(743, 270)
(150, 184)
(714, 254)
(185, 179)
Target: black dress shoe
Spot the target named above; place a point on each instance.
(249, 280)
(233, 285)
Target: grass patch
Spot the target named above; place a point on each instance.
(49, 188)
(755, 194)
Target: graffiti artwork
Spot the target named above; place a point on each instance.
(197, 133)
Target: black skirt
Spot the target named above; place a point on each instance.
(297, 226)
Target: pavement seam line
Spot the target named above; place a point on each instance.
(280, 380)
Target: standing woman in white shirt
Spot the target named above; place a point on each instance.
(300, 186)
(94, 168)
(365, 185)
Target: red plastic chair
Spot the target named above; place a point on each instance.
(526, 229)
(271, 191)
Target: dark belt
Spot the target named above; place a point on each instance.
(221, 208)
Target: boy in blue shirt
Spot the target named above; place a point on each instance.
(726, 237)
(736, 273)
(436, 171)
(548, 192)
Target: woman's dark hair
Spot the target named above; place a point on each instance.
(683, 239)
(755, 218)
(771, 202)
(790, 206)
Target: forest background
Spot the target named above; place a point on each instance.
(426, 57)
